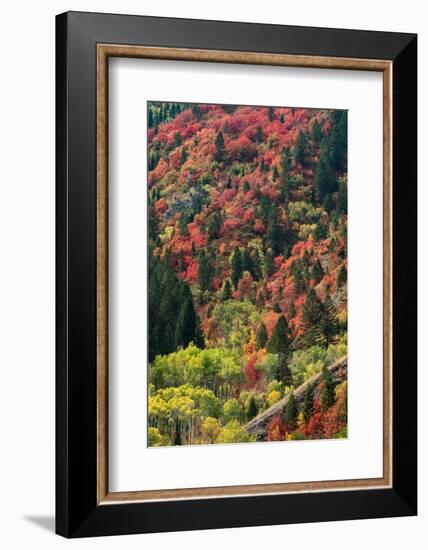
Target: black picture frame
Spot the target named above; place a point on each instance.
(77, 511)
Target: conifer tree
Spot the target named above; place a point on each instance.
(252, 408)
(317, 132)
(275, 173)
(329, 324)
(341, 276)
(277, 308)
(317, 271)
(219, 147)
(205, 271)
(261, 337)
(342, 197)
(308, 403)
(327, 392)
(259, 138)
(269, 263)
(312, 315)
(280, 343)
(275, 235)
(237, 269)
(227, 290)
(291, 412)
(247, 262)
(300, 147)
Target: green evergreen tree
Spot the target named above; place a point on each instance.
(269, 263)
(308, 403)
(280, 343)
(342, 276)
(342, 197)
(317, 271)
(312, 314)
(317, 133)
(291, 412)
(327, 393)
(285, 177)
(205, 271)
(298, 277)
(227, 290)
(329, 324)
(219, 147)
(275, 234)
(325, 180)
(270, 114)
(300, 152)
(292, 311)
(252, 408)
(259, 137)
(247, 262)
(277, 308)
(261, 337)
(237, 269)
(275, 173)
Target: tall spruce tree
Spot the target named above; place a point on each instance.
(219, 147)
(237, 269)
(300, 152)
(261, 337)
(280, 343)
(327, 393)
(312, 315)
(329, 324)
(205, 271)
(252, 408)
(308, 403)
(291, 412)
(227, 290)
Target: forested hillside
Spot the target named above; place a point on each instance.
(247, 270)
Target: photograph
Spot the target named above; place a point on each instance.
(247, 273)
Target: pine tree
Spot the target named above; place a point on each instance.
(219, 147)
(274, 235)
(227, 290)
(280, 343)
(298, 278)
(246, 187)
(308, 403)
(259, 137)
(205, 271)
(329, 324)
(277, 308)
(342, 197)
(317, 271)
(270, 114)
(292, 311)
(275, 173)
(247, 262)
(312, 315)
(237, 269)
(300, 147)
(342, 276)
(261, 337)
(325, 179)
(317, 132)
(285, 178)
(269, 263)
(252, 408)
(327, 393)
(291, 412)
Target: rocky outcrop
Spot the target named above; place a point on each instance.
(258, 426)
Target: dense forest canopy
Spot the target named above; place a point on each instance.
(247, 270)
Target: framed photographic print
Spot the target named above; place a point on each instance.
(236, 274)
